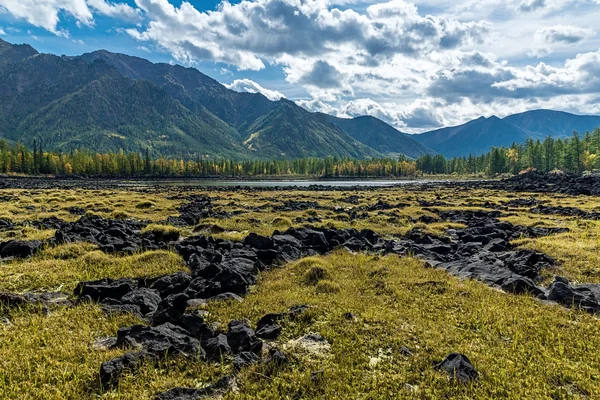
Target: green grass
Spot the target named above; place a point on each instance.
(62, 267)
(522, 348)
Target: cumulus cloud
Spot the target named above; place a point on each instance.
(2, 32)
(498, 80)
(316, 105)
(116, 10)
(249, 33)
(45, 13)
(247, 85)
(546, 39)
(531, 5)
(323, 75)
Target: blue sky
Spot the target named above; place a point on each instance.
(416, 64)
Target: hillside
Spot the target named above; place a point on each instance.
(138, 115)
(108, 102)
(380, 136)
(290, 131)
(478, 136)
(541, 123)
(475, 137)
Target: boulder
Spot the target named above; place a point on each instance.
(146, 299)
(520, 284)
(245, 359)
(270, 332)
(171, 284)
(20, 248)
(568, 296)
(458, 367)
(215, 390)
(105, 288)
(195, 325)
(110, 371)
(242, 338)
(162, 340)
(258, 242)
(170, 309)
(217, 347)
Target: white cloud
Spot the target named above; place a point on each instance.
(118, 10)
(316, 105)
(2, 32)
(250, 33)
(31, 35)
(247, 85)
(548, 38)
(45, 13)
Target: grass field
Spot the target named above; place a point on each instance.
(523, 349)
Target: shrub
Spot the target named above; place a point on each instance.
(282, 222)
(144, 205)
(527, 170)
(164, 233)
(315, 274)
(327, 287)
(120, 215)
(68, 251)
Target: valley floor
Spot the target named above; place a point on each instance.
(386, 319)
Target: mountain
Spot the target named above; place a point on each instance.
(380, 136)
(475, 137)
(541, 123)
(269, 129)
(305, 131)
(478, 136)
(106, 102)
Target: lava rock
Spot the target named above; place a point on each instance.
(166, 339)
(458, 367)
(569, 296)
(258, 242)
(105, 288)
(217, 347)
(146, 299)
(170, 309)
(20, 248)
(171, 284)
(245, 359)
(214, 390)
(242, 338)
(270, 332)
(520, 284)
(110, 371)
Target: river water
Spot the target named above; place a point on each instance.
(276, 183)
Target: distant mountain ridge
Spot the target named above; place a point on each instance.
(106, 101)
(559, 124)
(380, 136)
(480, 135)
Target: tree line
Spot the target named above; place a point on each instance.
(577, 153)
(21, 159)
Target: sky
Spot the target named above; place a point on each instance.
(418, 65)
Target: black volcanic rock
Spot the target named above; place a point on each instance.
(458, 367)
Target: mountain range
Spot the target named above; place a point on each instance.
(478, 136)
(106, 102)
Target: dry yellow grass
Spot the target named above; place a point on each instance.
(523, 349)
